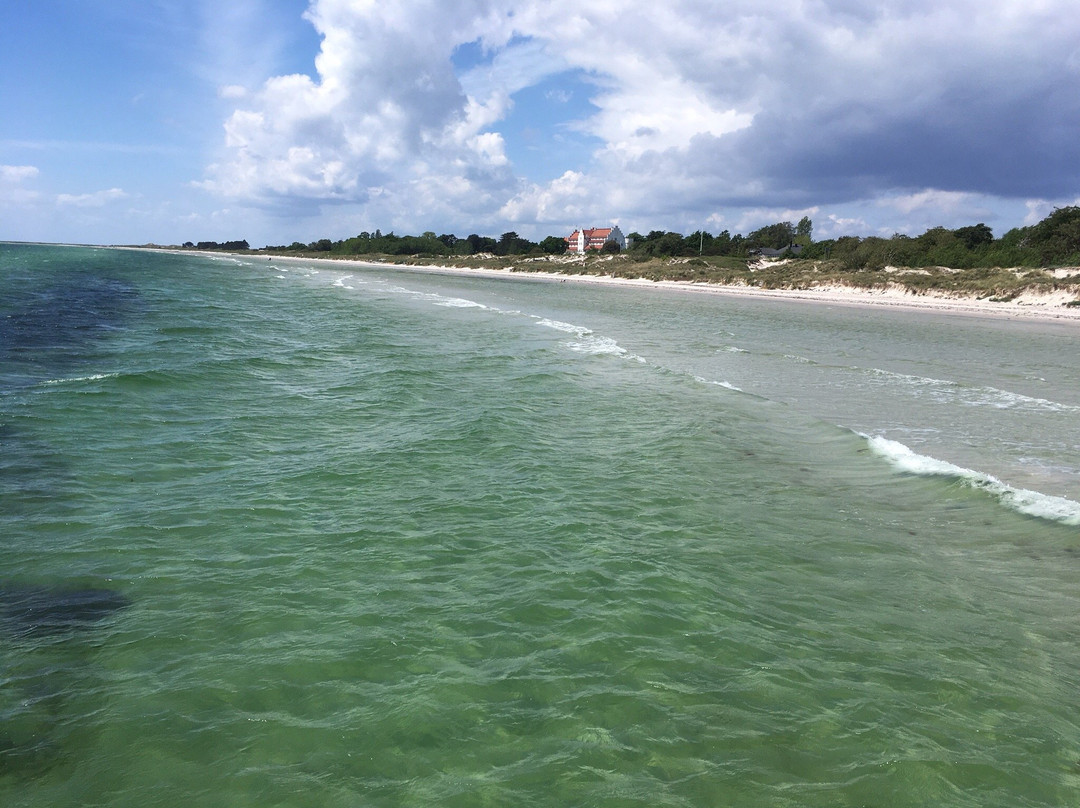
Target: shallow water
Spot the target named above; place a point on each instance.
(392, 538)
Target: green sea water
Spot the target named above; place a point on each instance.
(386, 538)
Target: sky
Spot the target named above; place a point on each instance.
(164, 121)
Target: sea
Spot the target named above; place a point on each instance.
(300, 533)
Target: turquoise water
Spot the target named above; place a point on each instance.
(386, 538)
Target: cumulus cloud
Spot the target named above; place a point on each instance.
(386, 115)
(696, 109)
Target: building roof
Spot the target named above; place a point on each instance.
(593, 233)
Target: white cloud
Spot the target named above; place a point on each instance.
(17, 174)
(14, 193)
(232, 91)
(97, 199)
(520, 64)
(385, 116)
(565, 199)
(935, 202)
(836, 226)
(1039, 209)
(699, 111)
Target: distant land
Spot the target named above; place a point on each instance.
(1040, 259)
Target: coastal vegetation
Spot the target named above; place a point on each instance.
(230, 246)
(970, 261)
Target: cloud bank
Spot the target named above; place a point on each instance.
(698, 112)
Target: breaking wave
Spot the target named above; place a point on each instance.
(1022, 500)
(588, 341)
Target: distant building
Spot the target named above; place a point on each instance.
(769, 252)
(581, 239)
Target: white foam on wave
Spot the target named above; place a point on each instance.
(1005, 400)
(1031, 503)
(593, 344)
(437, 299)
(569, 328)
(588, 341)
(725, 385)
(454, 302)
(946, 390)
(93, 378)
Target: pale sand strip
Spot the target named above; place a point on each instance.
(1028, 306)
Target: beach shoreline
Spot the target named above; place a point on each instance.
(1046, 307)
(1036, 307)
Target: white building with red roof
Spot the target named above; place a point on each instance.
(581, 239)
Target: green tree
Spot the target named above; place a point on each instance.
(804, 232)
(1056, 239)
(698, 243)
(555, 245)
(721, 244)
(669, 244)
(508, 244)
(512, 244)
(775, 236)
(977, 235)
(481, 243)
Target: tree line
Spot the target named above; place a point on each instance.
(226, 246)
(1053, 241)
(428, 243)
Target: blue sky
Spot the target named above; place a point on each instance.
(135, 121)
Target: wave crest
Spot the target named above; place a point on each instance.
(1022, 500)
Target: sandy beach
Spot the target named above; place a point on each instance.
(1027, 306)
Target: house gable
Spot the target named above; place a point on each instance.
(594, 239)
